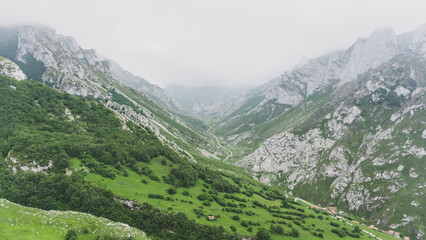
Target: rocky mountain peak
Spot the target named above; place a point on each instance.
(419, 34)
(419, 39)
(368, 53)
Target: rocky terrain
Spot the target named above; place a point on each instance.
(349, 126)
(59, 61)
(10, 69)
(345, 129)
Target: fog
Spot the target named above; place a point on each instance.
(216, 42)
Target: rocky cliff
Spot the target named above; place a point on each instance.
(352, 130)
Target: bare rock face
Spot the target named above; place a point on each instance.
(362, 147)
(342, 66)
(10, 69)
(78, 71)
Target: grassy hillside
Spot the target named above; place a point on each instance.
(18, 222)
(62, 152)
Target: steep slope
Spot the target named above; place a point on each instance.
(18, 222)
(61, 152)
(359, 144)
(274, 98)
(59, 61)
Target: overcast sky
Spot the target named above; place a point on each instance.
(230, 42)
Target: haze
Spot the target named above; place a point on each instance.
(214, 42)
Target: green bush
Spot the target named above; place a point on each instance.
(186, 176)
(202, 197)
(71, 235)
(171, 191)
(294, 232)
(262, 234)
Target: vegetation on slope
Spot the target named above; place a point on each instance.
(18, 222)
(66, 153)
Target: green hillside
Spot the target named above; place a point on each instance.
(18, 222)
(61, 152)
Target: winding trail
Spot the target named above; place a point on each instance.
(220, 145)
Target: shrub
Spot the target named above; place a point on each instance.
(250, 213)
(294, 232)
(334, 224)
(233, 228)
(85, 230)
(277, 229)
(154, 178)
(158, 196)
(244, 223)
(224, 186)
(220, 201)
(236, 218)
(232, 205)
(262, 234)
(187, 176)
(171, 191)
(185, 193)
(71, 235)
(202, 197)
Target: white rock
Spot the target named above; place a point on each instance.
(10, 69)
(402, 91)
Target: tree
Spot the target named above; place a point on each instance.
(294, 232)
(263, 234)
(202, 197)
(171, 191)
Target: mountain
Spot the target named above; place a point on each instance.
(58, 61)
(203, 99)
(273, 98)
(347, 128)
(62, 152)
(65, 63)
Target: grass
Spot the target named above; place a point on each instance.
(18, 222)
(131, 187)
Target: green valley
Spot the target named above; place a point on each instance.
(67, 153)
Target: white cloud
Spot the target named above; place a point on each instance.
(216, 41)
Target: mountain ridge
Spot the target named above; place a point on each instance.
(326, 125)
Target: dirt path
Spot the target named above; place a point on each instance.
(220, 145)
